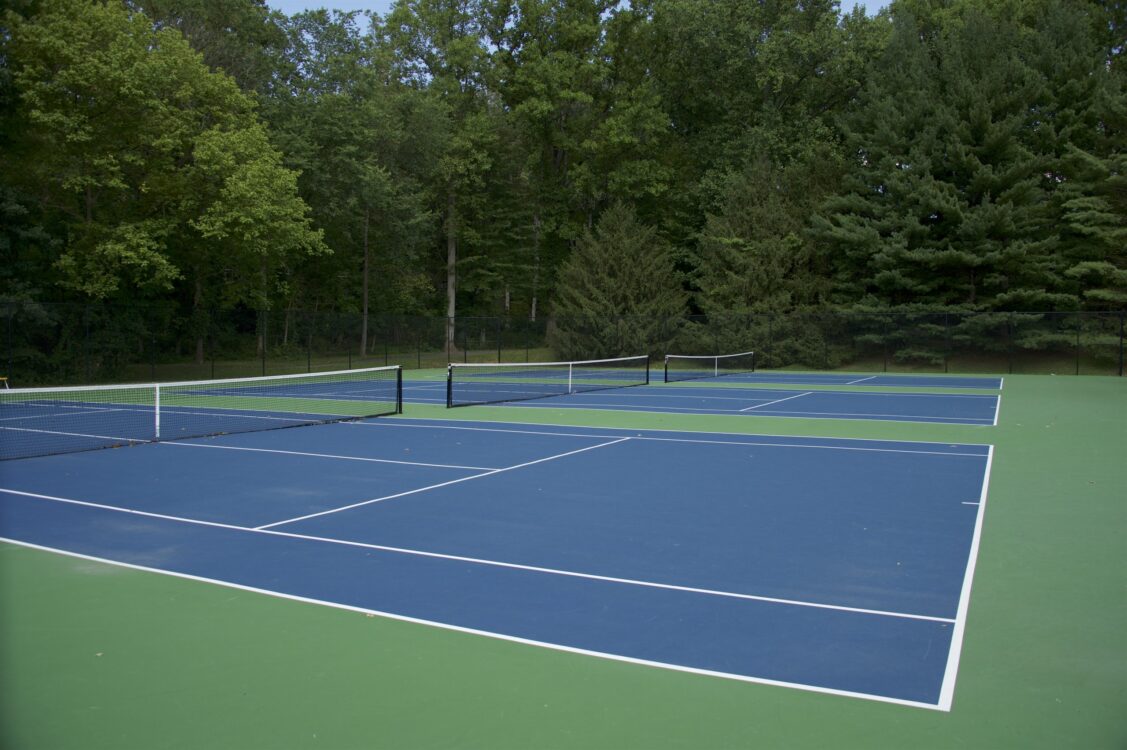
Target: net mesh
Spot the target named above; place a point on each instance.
(469, 384)
(45, 421)
(693, 367)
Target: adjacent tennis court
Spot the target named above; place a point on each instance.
(828, 565)
(701, 397)
(888, 380)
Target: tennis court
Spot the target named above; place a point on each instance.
(699, 397)
(890, 380)
(626, 544)
(613, 562)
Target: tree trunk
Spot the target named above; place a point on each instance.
(451, 271)
(535, 265)
(197, 303)
(364, 292)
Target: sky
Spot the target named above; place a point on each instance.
(289, 7)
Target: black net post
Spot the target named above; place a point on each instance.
(399, 390)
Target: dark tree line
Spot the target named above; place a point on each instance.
(587, 158)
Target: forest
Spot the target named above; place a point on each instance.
(611, 177)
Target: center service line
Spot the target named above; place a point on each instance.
(776, 401)
(436, 486)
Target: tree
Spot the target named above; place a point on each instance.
(439, 48)
(363, 145)
(549, 69)
(617, 292)
(979, 151)
(943, 202)
(1084, 131)
(237, 37)
(153, 171)
(754, 254)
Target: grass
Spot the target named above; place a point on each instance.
(97, 656)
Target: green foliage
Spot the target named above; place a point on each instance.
(149, 165)
(754, 254)
(960, 193)
(364, 149)
(617, 292)
(472, 157)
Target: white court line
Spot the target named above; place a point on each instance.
(997, 409)
(575, 402)
(74, 411)
(854, 416)
(862, 380)
(490, 634)
(440, 484)
(182, 444)
(777, 401)
(688, 392)
(491, 563)
(76, 434)
(429, 425)
(893, 417)
(947, 690)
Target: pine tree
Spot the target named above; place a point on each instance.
(944, 204)
(984, 172)
(617, 291)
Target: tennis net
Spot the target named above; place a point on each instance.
(469, 384)
(693, 367)
(45, 421)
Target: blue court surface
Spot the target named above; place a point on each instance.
(838, 566)
(942, 408)
(880, 380)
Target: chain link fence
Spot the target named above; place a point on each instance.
(68, 344)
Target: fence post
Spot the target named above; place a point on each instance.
(1122, 315)
(887, 327)
(86, 345)
(770, 335)
(947, 342)
(1010, 342)
(12, 315)
(264, 332)
(825, 343)
(499, 333)
(1078, 322)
